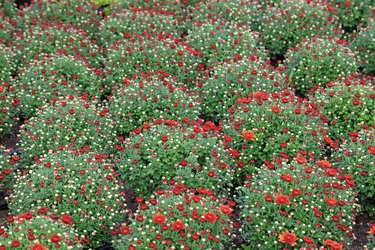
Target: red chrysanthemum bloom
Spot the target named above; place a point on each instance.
(159, 218)
(38, 246)
(67, 219)
(225, 209)
(323, 163)
(268, 198)
(248, 135)
(124, 230)
(288, 238)
(276, 110)
(55, 238)
(286, 177)
(282, 199)
(331, 201)
(371, 150)
(308, 240)
(210, 216)
(178, 225)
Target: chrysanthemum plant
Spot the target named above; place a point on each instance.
(35, 231)
(220, 90)
(148, 97)
(314, 62)
(83, 186)
(66, 124)
(310, 204)
(39, 42)
(53, 77)
(356, 156)
(363, 43)
(347, 105)
(263, 126)
(221, 41)
(190, 150)
(285, 25)
(178, 217)
(144, 53)
(123, 23)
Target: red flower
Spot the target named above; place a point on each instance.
(225, 209)
(347, 3)
(159, 218)
(210, 216)
(288, 238)
(178, 225)
(248, 135)
(308, 240)
(296, 192)
(276, 110)
(323, 163)
(67, 219)
(333, 244)
(286, 177)
(268, 198)
(124, 230)
(331, 201)
(16, 243)
(164, 138)
(38, 246)
(301, 160)
(55, 238)
(371, 150)
(282, 199)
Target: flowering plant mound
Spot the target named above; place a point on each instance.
(39, 42)
(189, 150)
(230, 81)
(78, 13)
(178, 218)
(53, 77)
(317, 61)
(150, 97)
(139, 53)
(80, 188)
(286, 25)
(221, 41)
(356, 156)
(7, 63)
(310, 205)
(371, 237)
(353, 13)
(169, 7)
(265, 126)
(8, 163)
(37, 232)
(347, 105)
(240, 11)
(125, 22)
(66, 124)
(8, 108)
(363, 44)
